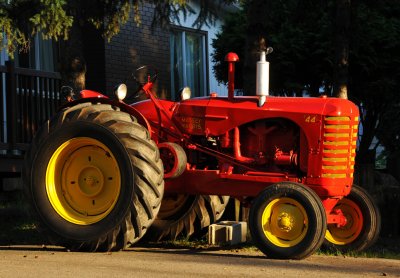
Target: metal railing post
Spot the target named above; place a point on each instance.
(11, 95)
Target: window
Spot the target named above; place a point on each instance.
(188, 62)
(41, 55)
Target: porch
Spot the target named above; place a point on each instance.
(27, 99)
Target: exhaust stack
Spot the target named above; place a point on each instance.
(262, 77)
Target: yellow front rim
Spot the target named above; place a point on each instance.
(284, 222)
(172, 204)
(349, 232)
(83, 181)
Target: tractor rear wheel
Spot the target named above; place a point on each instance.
(94, 178)
(287, 221)
(363, 223)
(184, 215)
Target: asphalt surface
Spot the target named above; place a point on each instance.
(36, 261)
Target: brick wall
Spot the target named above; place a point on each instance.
(135, 46)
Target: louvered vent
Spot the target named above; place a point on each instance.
(339, 147)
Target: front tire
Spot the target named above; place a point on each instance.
(363, 223)
(94, 179)
(287, 221)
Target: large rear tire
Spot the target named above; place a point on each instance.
(287, 221)
(363, 223)
(94, 178)
(184, 216)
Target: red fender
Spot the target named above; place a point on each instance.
(94, 97)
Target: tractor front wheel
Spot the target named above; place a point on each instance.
(94, 178)
(287, 221)
(363, 223)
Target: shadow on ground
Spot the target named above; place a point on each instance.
(18, 229)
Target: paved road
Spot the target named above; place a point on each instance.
(34, 261)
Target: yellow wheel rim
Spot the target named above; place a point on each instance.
(171, 205)
(83, 181)
(348, 233)
(284, 222)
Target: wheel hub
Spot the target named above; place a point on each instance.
(91, 181)
(285, 222)
(343, 235)
(83, 181)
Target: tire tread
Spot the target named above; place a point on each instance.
(147, 167)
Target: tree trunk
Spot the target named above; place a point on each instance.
(73, 64)
(369, 121)
(254, 30)
(342, 39)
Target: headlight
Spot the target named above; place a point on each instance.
(185, 93)
(121, 91)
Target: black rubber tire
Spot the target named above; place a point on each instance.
(314, 234)
(371, 227)
(191, 220)
(141, 178)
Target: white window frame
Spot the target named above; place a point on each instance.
(204, 40)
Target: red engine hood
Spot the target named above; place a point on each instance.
(216, 115)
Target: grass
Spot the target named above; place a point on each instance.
(387, 248)
(17, 228)
(200, 244)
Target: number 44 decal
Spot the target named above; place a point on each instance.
(310, 119)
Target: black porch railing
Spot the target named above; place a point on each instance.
(27, 99)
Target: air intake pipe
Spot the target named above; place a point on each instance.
(262, 77)
(231, 58)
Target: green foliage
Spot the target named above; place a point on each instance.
(51, 20)
(300, 59)
(374, 71)
(374, 54)
(14, 35)
(117, 14)
(231, 39)
(21, 20)
(302, 35)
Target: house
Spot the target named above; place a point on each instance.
(181, 55)
(29, 95)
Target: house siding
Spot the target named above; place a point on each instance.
(135, 46)
(212, 31)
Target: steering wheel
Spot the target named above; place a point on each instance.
(140, 76)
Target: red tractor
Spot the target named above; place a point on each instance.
(102, 171)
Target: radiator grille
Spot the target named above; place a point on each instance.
(339, 147)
